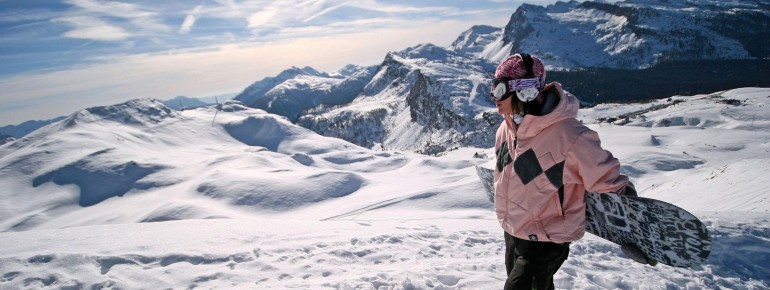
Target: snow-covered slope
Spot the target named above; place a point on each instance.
(473, 41)
(631, 34)
(180, 165)
(722, 137)
(140, 196)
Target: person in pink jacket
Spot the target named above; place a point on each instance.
(546, 161)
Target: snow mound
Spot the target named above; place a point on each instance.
(646, 162)
(277, 134)
(278, 191)
(100, 178)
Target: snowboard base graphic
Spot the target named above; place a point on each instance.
(663, 231)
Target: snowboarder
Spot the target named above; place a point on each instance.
(546, 161)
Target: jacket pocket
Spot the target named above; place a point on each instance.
(560, 200)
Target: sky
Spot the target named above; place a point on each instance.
(60, 56)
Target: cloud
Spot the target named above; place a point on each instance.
(145, 21)
(323, 12)
(190, 19)
(16, 15)
(402, 9)
(92, 28)
(112, 8)
(263, 17)
(187, 24)
(283, 19)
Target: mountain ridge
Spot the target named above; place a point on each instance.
(630, 34)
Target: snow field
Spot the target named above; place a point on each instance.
(196, 205)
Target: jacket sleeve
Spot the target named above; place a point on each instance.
(596, 168)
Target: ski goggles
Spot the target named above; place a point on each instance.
(525, 89)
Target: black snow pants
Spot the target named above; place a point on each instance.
(531, 265)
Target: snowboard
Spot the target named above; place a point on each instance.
(662, 231)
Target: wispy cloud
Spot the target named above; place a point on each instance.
(95, 20)
(112, 8)
(92, 28)
(190, 19)
(26, 15)
(324, 12)
(288, 19)
(260, 19)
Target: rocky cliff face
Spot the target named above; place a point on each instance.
(426, 99)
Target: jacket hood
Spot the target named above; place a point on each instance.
(567, 108)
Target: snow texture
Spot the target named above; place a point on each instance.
(138, 196)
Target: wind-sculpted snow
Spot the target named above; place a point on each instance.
(278, 135)
(99, 180)
(278, 190)
(646, 162)
(250, 200)
(356, 255)
(263, 131)
(180, 211)
(240, 160)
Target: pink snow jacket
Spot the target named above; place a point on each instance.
(544, 167)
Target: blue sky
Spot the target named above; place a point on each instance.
(60, 56)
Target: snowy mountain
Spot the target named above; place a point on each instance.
(430, 99)
(133, 190)
(21, 130)
(422, 99)
(630, 34)
(425, 99)
(18, 131)
(297, 89)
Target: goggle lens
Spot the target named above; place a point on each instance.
(500, 92)
(525, 89)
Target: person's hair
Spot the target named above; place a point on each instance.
(516, 105)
